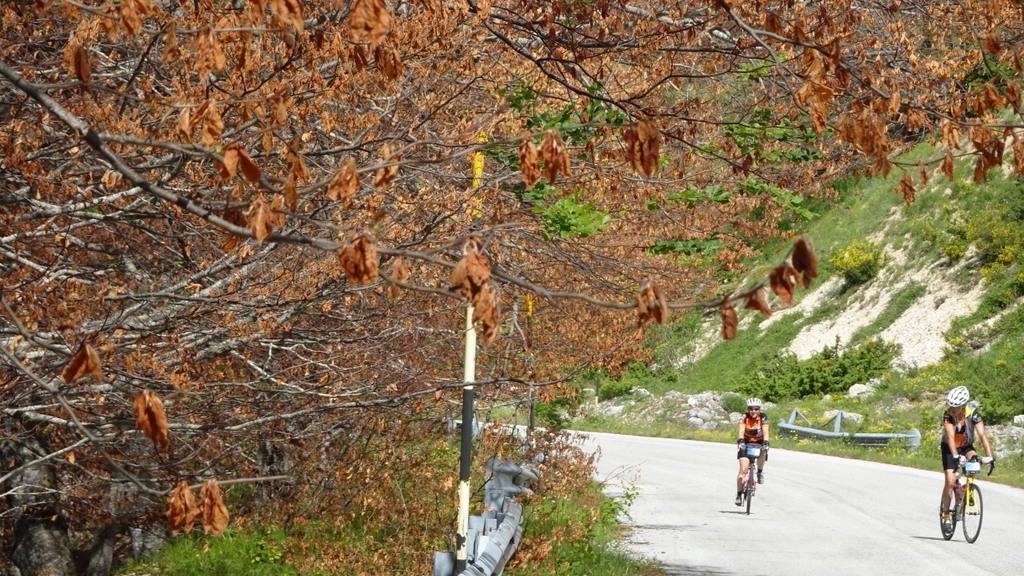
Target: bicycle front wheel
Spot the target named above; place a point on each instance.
(748, 493)
(972, 509)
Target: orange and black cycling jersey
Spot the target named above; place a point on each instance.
(963, 430)
(753, 427)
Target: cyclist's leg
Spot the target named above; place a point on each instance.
(949, 464)
(741, 478)
(947, 492)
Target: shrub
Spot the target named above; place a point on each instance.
(858, 262)
(783, 377)
(734, 403)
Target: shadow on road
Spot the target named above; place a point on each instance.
(678, 570)
(935, 538)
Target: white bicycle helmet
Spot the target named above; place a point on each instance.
(756, 402)
(958, 396)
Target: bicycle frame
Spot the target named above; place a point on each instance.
(750, 486)
(968, 501)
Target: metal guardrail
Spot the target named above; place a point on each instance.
(911, 437)
(494, 535)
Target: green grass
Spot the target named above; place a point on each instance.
(233, 553)
(586, 526)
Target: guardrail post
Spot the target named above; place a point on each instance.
(493, 536)
(912, 437)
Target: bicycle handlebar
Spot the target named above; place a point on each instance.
(991, 466)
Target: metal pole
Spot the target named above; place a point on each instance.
(466, 457)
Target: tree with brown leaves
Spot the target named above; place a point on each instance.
(256, 211)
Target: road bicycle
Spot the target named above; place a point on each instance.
(753, 451)
(967, 494)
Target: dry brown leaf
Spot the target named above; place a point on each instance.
(250, 170)
(209, 54)
(151, 419)
(359, 259)
(358, 57)
(345, 183)
(783, 280)
(991, 43)
(229, 162)
(487, 311)
(906, 189)
(1018, 154)
(385, 175)
(651, 306)
(181, 509)
(758, 301)
(947, 165)
(211, 506)
(729, 320)
(472, 271)
(290, 11)
(399, 273)
(291, 193)
(369, 20)
(388, 61)
(554, 155)
(236, 217)
(643, 146)
(85, 361)
(805, 261)
(1013, 94)
(183, 129)
(132, 13)
(83, 70)
(213, 124)
(172, 51)
(260, 219)
(528, 162)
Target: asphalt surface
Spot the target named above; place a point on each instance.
(813, 516)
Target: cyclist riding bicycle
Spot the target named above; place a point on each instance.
(960, 423)
(753, 429)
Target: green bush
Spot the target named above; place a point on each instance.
(858, 262)
(734, 403)
(554, 414)
(783, 377)
(636, 375)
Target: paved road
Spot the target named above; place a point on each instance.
(814, 516)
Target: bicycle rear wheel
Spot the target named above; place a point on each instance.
(972, 509)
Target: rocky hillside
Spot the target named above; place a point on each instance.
(919, 331)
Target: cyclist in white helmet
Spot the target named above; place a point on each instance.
(753, 429)
(961, 422)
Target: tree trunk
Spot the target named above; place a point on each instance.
(41, 545)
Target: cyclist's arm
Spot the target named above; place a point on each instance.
(950, 438)
(740, 431)
(980, 429)
(764, 431)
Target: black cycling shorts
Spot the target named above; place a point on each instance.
(949, 462)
